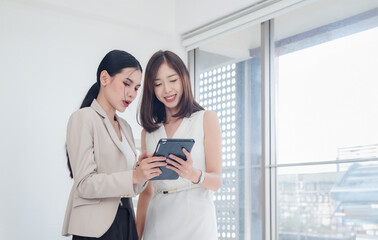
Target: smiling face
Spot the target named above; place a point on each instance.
(121, 89)
(168, 87)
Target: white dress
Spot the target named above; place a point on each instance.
(187, 214)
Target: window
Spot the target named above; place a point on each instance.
(327, 113)
(319, 180)
(229, 84)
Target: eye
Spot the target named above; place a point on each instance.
(136, 89)
(174, 80)
(157, 84)
(126, 84)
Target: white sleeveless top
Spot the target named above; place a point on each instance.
(191, 127)
(187, 214)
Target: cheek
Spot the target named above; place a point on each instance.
(156, 91)
(180, 89)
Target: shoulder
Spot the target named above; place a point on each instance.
(211, 126)
(210, 122)
(82, 120)
(210, 117)
(82, 115)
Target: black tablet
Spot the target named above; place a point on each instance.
(173, 146)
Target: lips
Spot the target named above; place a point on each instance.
(170, 98)
(126, 103)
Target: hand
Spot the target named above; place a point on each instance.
(184, 168)
(142, 156)
(147, 167)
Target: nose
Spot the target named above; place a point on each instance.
(167, 88)
(130, 94)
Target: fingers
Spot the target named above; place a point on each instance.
(187, 154)
(147, 171)
(144, 156)
(158, 164)
(150, 160)
(174, 163)
(152, 175)
(153, 162)
(178, 171)
(154, 171)
(177, 159)
(155, 159)
(182, 167)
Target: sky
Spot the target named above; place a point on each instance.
(328, 99)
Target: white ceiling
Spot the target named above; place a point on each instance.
(150, 15)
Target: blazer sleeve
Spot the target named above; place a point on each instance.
(138, 188)
(88, 182)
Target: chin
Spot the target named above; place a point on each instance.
(121, 109)
(172, 107)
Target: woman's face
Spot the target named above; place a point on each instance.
(168, 87)
(121, 89)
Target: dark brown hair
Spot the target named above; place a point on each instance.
(152, 111)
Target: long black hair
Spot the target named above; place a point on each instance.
(113, 62)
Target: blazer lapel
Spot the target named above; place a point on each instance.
(127, 135)
(96, 106)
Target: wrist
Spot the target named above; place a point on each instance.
(196, 175)
(200, 178)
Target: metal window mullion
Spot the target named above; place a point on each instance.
(265, 128)
(325, 162)
(273, 147)
(247, 150)
(192, 66)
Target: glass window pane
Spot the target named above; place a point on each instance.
(324, 202)
(326, 57)
(228, 83)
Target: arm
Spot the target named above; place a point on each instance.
(213, 156)
(213, 153)
(80, 146)
(144, 197)
(89, 182)
(143, 202)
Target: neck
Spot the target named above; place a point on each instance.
(169, 114)
(110, 111)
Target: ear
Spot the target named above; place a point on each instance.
(104, 78)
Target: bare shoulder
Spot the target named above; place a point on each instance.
(210, 117)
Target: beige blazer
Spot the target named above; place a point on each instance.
(99, 169)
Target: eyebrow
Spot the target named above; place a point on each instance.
(138, 85)
(156, 79)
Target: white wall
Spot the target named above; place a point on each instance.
(48, 60)
(49, 53)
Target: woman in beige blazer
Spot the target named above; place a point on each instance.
(101, 156)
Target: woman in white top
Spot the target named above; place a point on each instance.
(182, 208)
